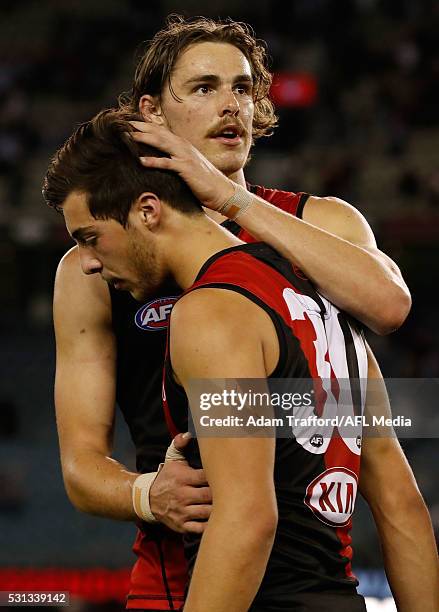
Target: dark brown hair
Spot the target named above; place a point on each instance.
(101, 160)
(154, 69)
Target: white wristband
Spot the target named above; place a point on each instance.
(141, 487)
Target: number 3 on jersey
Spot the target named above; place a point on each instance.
(327, 354)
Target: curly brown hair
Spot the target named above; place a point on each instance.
(155, 67)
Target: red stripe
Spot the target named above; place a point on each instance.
(96, 585)
(285, 200)
(338, 454)
(168, 418)
(243, 270)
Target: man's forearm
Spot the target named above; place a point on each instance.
(230, 565)
(100, 485)
(348, 275)
(369, 287)
(410, 557)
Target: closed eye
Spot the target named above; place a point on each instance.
(84, 236)
(87, 241)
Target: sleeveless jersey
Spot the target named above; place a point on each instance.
(315, 475)
(159, 575)
(140, 331)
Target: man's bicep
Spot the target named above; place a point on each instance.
(85, 403)
(86, 359)
(225, 344)
(340, 218)
(345, 221)
(238, 469)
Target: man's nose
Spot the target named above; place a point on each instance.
(229, 104)
(90, 264)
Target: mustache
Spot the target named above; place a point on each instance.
(228, 123)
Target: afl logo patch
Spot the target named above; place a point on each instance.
(316, 440)
(331, 496)
(154, 316)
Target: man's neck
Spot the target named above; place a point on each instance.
(238, 178)
(190, 243)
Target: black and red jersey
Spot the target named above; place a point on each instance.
(159, 575)
(316, 474)
(140, 331)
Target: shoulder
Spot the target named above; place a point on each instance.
(78, 295)
(70, 278)
(340, 218)
(216, 333)
(216, 311)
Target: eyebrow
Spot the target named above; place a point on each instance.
(214, 78)
(81, 232)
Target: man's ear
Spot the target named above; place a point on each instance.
(147, 211)
(150, 109)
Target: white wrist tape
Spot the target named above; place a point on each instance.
(143, 483)
(141, 487)
(173, 454)
(240, 201)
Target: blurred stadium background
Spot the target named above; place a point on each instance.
(357, 90)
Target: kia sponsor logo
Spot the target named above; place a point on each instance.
(331, 496)
(154, 316)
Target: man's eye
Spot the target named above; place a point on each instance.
(89, 241)
(204, 89)
(243, 89)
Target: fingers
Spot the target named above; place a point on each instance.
(177, 473)
(195, 495)
(147, 132)
(173, 453)
(194, 527)
(181, 441)
(141, 125)
(154, 137)
(193, 477)
(163, 163)
(198, 512)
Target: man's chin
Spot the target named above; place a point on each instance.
(139, 294)
(143, 294)
(228, 161)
